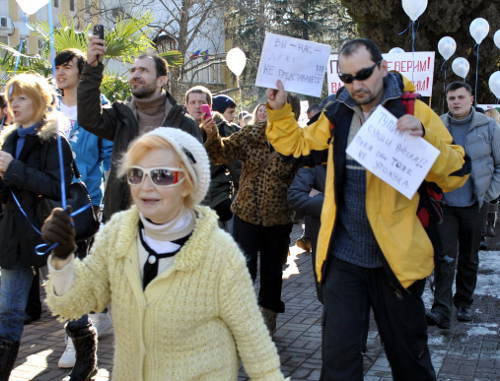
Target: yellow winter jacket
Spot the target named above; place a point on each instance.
(192, 320)
(392, 216)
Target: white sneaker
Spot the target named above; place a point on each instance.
(102, 323)
(68, 358)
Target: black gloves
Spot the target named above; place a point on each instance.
(58, 227)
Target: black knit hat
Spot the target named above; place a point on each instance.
(221, 102)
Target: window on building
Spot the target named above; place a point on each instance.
(72, 5)
(56, 3)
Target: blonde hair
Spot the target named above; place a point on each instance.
(494, 114)
(254, 114)
(141, 146)
(35, 87)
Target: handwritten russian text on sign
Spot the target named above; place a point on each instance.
(488, 106)
(299, 64)
(401, 160)
(417, 67)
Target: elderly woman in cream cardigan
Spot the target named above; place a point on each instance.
(182, 300)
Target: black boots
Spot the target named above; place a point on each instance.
(8, 354)
(85, 342)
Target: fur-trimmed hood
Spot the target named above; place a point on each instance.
(54, 123)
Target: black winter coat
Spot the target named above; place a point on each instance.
(119, 124)
(34, 174)
(304, 181)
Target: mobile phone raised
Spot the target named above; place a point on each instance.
(206, 110)
(99, 31)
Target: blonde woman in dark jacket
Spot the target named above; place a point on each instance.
(29, 169)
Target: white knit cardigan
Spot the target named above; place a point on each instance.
(190, 319)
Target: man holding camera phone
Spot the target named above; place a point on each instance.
(224, 178)
(150, 106)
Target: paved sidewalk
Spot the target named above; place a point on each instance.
(467, 352)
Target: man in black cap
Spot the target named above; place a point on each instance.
(225, 105)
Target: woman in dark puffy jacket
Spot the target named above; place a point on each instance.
(29, 171)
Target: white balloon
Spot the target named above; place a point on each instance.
(496, 38)
(447, 47)
(479, 29)
(414, 8)
(494, 84)
(460, 67)
(396, 50)
(31, 6)
(236, 61)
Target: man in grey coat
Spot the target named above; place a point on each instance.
(464, 209)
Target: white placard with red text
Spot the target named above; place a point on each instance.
(417, 67)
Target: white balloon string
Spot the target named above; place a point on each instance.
(476, 95)
(52, 40)
(413, 34)
(443, 68)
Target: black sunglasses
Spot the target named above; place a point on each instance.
(360, 75)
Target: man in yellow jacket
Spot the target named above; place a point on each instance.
(372, 249)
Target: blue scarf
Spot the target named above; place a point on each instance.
(21, 133)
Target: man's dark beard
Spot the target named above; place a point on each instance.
(143, 93)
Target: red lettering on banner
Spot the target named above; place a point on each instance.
(422, 85)
(410, 66)
(335, 86)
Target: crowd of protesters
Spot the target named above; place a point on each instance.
(199, 203)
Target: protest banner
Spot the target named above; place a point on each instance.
(488, 106)
(299, 64)
(303, 119)
(417, 67)
(399, 159)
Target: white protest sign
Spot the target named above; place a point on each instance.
(299, 64)
(488, 106)
(417, 67)
(399, 159)
(303, 119)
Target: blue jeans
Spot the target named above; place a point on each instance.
(14, 290)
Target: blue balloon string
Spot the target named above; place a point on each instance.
(61, 173)
(413, 27)
(18, 58)
(406, 30)
(44, 248)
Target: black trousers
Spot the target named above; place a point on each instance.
(272, 243)
(459, 236)
(348, 293)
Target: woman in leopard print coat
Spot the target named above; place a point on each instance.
(263, 219)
